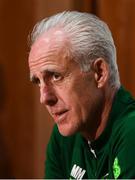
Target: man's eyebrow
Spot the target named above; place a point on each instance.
(49, 72)
(45, 72)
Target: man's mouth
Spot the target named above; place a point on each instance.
(59, 115)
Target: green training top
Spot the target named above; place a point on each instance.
(111, 156)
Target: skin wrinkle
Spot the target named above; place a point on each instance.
(52, 49)
(40, 61)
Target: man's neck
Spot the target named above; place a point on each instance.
(106, 111)
(103, 118)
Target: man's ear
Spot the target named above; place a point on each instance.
(101, 71)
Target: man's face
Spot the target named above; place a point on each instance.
(69, 94)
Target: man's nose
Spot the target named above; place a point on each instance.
(47, 96)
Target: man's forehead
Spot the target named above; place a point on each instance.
(48, 40)
(53, 35)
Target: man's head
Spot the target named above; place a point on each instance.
(73, 59)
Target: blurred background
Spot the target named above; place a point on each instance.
(25, 125)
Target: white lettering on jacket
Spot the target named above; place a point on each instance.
(77, 172)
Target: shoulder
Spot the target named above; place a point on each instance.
(124, 110)
(123, 132)
(123, 143)
(126, 121)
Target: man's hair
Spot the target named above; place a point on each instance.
(90, 38)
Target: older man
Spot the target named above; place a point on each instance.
(73, 60)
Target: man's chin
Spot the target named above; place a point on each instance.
(66, 131)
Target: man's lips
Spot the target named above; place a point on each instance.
(60, 112)
(59, 115)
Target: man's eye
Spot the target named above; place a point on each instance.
(56, 77)
(35, 80)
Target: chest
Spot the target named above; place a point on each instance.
(86, 163)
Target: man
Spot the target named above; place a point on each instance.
(73, 60)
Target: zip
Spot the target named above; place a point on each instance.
(92, 150)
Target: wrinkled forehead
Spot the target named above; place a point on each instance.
(52, 39)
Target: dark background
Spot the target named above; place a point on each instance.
(25, 125)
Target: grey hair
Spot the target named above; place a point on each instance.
(90, 39)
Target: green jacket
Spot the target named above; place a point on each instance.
(111, 156)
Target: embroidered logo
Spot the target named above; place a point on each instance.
(116, 168)
(77, 172)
